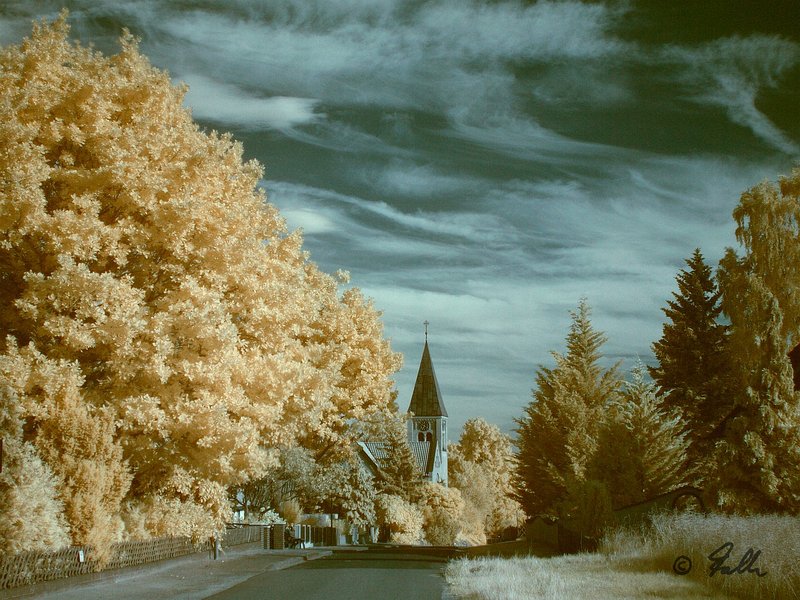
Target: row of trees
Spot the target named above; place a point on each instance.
(721, 411)
(162, 332)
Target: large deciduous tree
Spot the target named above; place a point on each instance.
(693, 371)
(557, 435)
(140, 262)
(759, 453)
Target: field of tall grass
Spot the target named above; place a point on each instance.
(680, 556)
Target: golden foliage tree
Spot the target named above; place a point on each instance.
(139, 258)
(481, 465)
(758, 456)
(442, 513)
(75, 439)
(402, 519)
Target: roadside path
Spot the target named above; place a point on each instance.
(187, 578)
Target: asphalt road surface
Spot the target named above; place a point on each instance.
(374, 574)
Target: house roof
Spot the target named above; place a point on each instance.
(426, 400)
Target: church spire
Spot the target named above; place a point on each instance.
(426, 401)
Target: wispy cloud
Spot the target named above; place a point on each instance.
(223, 103)
(731, 72)
(481, 165)
(379, 216)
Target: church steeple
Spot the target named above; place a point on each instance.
(426, 400)
(428, 423)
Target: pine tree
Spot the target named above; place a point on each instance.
(758, 457)
(557, 435)
(642, 450)
(398, 472)
(694, 364)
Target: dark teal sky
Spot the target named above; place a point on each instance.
(484, 165)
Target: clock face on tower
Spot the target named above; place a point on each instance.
(423, 426)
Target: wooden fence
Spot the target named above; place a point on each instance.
(27, 568)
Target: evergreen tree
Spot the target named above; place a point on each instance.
(557, 435)
(694, 363)
(642, 450)
(758, 457)
(398, 474)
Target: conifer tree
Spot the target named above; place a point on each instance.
(758, 456)
(398, 474)
(642, 449)
(557, 435)
(693, 370)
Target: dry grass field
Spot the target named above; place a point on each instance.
(640, 564)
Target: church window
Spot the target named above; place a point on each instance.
(421, 436)
(428, 436)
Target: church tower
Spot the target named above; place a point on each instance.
(427, 427)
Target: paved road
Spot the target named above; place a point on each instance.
(374, 574)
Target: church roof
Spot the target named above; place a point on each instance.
(421, 452)
(378, 452)
(426, 401)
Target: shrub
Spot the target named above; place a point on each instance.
(403, 519)
(442, 513)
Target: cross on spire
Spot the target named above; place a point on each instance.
(426, 323)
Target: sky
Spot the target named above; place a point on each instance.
(485, 165)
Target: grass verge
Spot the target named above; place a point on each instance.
(726, 553)
(638, 564)
(571, 577)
